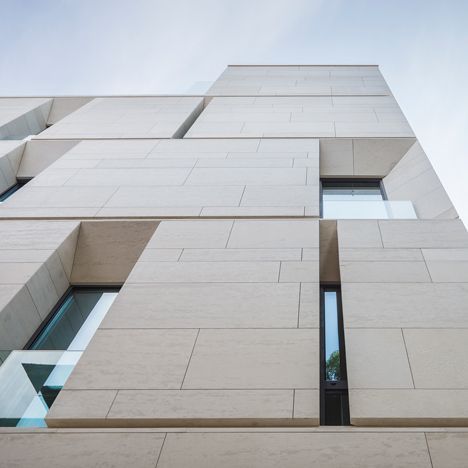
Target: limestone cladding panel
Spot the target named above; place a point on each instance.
(11, 152)
(303, 80)
(35, 266)
(127, 117)
(413, 178)
(299, 80)
(361, 157)
(405, 289)
(217, 324)
(301, 117)
(171, 178)
(21, 117)
(179, 448)
(299, 450)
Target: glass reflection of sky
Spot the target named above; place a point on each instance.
(331, 323)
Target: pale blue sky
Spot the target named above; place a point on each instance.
(53, 47)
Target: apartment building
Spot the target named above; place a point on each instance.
(267, 275)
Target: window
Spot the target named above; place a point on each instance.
(19, 183)
(352, 198)
(334, 408)
(31, 379)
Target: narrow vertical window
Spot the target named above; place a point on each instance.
(334, 386)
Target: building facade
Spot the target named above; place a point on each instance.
(267, 275)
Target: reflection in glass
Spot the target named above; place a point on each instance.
(351, 191)
(31, 380)
(332, 340)
(342, 199)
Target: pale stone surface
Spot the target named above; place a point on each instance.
(121, 117)
(384, 354)
(107, 250)
(11, 153)
(21, 117)
(205, 272)
(298, 450)
(306, 405)
(39, 155)
(309, 308)
(384, 272)
(423, 234)
(75, 450)
(436, 357)
(19, 316)
(390, 305)
(408, 407)
(274, 234)
(32, 275)
(448, 449)
(118, 359)
(194, 255)
(205, 305)
(381, 255)
(311, 116)
(230, 359)
(299, 272)
(413, 178)
(157, 178)
(202, 404)
(62, 106)
(185, 234)
(219, 323)
(81, 404)
(358, 234)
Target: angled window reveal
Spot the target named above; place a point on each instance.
(360, 199)
(334, 408)
(31, 379)
(8, 193)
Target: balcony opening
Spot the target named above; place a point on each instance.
(31, 379)
(334, 406)
(360, 199)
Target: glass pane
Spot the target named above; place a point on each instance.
(76, 321)
(9, 192)
(31, 380)
(332, 340)
(29, 383)
(351, 193)
(359, 209)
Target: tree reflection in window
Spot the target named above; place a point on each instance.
(333, 367)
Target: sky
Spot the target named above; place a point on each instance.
(58, 47)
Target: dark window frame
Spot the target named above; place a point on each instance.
(14, 188)
(51, 315)
(369, 182)
(328, 387)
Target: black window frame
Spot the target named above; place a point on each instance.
(21, 182)
(328, 387)
(51, 315)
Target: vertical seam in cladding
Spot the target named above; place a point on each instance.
(407, 357)
(294, 398)
(160, 450)
(242, 196)
(112, 404)
(190, 359)
(428, 450)
(299, 305)
(229, 235)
